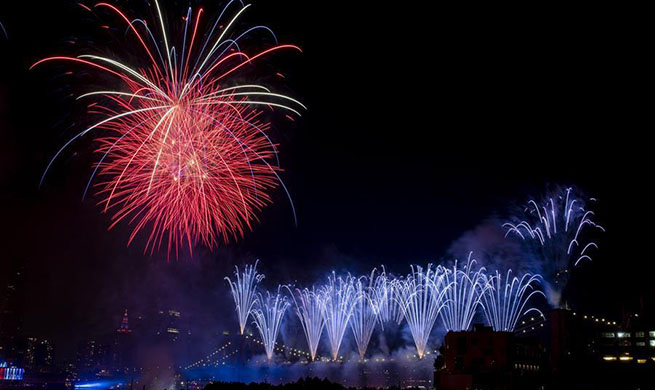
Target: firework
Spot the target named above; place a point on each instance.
(463, 296)
(308, 308)
(338, 297)
(268, 314)
(183, 150)
(386, 307)
(455, 293)
(556, 231)
(244, 293)
(421, 297)
(4, 31)
(364, 316)
(505, 303)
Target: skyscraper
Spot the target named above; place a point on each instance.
(123, 345)
(11, 311)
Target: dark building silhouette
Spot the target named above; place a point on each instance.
(564, 350)
(588, 351)
(11, 325)
(484, 359)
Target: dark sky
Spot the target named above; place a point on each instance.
(421, 124)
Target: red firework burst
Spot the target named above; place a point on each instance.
(184, 153)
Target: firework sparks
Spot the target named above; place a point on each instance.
(4, 31)
(268, 314)
(556, 232)
(338, 303)
(384, 290)
(243, 290)
(456, 294)
(308, 308)
(463, 296)
(184, 150)
(505, 303)
(364, 316)
(421, 297)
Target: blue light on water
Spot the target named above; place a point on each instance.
(97, 385)
(90, 385)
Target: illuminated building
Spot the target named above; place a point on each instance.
(169, 325)
(9, 373)
(86, 354)
(631, 344)
(125, 324)
(30, 352)
(123, 346)
(38, 354)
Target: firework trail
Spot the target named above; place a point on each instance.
(244, 293)
(421, 297)
(364, 315)
(308, 307)
(267, 315)
(183, 150)
(463, 296)
(505, 303)
(4, 31)
(338, 297)
(383, 292)
(555, 231)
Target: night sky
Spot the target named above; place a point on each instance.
(420, 125)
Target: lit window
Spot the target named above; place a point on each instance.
(608, 335)
(640, 344)
(651, 343)
(623, 335)
(652, 334)
(640, 335)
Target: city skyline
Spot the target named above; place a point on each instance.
(419, 136)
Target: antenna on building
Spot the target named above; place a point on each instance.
(124, 325)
